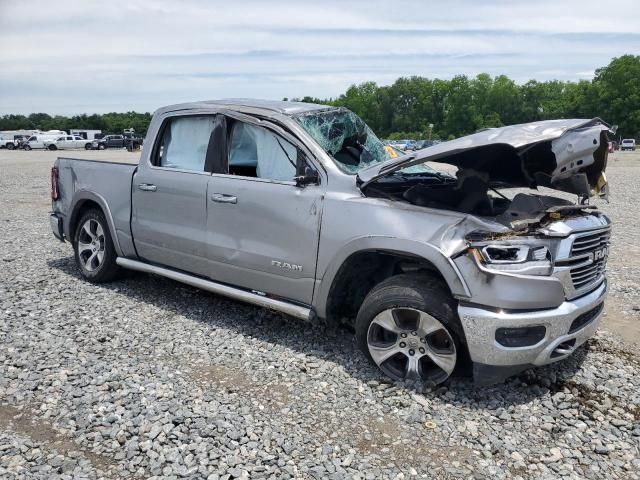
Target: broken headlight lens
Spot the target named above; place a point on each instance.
(517, 259)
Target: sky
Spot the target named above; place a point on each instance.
(85, 56)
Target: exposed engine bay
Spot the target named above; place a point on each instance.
(472, 192)
(565, 156)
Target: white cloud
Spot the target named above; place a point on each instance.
(70, 57)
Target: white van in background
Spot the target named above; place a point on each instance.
(40, 141)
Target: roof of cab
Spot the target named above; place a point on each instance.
(278, 106)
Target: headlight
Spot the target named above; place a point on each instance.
(518, 259)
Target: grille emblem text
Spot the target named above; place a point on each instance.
(600, 254)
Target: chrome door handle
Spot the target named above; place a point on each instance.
(147, 187)
(223, 198)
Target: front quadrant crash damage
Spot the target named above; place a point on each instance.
(568, 156)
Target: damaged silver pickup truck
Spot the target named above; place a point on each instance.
(299, 208)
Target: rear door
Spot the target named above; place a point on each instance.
(169, 198)
(263, 229)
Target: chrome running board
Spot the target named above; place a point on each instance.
(231, 292)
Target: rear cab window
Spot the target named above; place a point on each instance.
(183, 144)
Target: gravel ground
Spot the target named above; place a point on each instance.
(146, 377)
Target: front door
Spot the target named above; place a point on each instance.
(169, 198)
(263, 230)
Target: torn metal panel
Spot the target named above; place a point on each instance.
(568, 155)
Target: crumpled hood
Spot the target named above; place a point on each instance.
(568, 155)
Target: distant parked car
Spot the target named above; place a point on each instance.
(399, 144)
(8, 143)
(38, 141)
(628, 144)
(420, 144)
(66, 142)
(117, 141)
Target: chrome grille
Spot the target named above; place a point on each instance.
(588, 259)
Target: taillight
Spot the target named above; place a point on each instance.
(54, 183)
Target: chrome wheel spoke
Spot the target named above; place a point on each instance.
(387, 321)
(86, 228)
(382, 354)
(89, 263)
(446, 361)
(99, 232)
(427, 324)
(412, 371)
(84, 247)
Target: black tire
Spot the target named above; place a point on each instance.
(52, 147)
(10, 146)
(87, 146)
(101, 146)
(100, 271)
(411, 295)
(27, 147)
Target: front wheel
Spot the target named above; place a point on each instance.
(52, 147)
(10, 146)
(408, 326)
(87, 146)
(101, 146)
(94, 252)
(27, 147)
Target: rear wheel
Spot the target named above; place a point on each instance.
(95, 254)
(101, 146)
(408, 326)
(87, 146)
(11, 146)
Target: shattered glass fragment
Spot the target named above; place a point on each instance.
(344, 136)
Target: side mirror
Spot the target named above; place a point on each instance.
(309, 177)
(305, 174)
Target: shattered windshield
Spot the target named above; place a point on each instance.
(345, 136)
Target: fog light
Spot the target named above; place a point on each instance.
(520, 337)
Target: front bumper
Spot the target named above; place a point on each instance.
(56, 226)
(560, 339)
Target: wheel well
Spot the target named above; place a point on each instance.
(361, 272)
(81, 207)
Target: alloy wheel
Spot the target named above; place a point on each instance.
(408, 344)
(91, 245)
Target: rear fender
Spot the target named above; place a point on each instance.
(79, 199)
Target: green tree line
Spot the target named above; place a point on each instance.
(454, 107)
(463, 105)
(108, 122)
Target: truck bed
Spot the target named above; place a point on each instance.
(104, 182)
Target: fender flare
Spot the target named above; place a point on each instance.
(445, 266)
(79, 198)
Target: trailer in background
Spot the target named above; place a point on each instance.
(86, 134)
